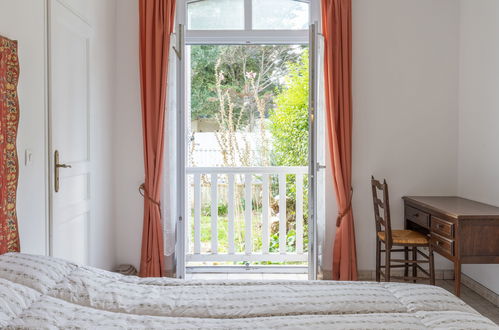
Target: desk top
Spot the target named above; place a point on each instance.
(455, 207)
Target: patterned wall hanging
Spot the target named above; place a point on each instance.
(9, 167)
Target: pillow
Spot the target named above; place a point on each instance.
(37, 272)
(14, 299)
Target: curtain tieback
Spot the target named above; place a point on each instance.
(342, 214)
(143, 192)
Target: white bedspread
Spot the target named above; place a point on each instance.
(42, 292)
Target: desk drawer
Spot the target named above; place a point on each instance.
(417, 216)
(442, 227)
(442, 244)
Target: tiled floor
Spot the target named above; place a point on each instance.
(483, 306)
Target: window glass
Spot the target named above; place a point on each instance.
(280, 15)
(215, 15)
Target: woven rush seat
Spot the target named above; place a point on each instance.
(405, 237)
(405, 240)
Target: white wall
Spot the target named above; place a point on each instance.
(128, 152)
(405, 101)
(28, 26)
(25, 21)
(479, 114)
(102, 17)
(405, 61)
(406, 98)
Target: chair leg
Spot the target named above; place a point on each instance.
(378, 260)
(414, 265)
(388, 261)
(432, 265)
(406, 265)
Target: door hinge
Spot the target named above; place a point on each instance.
(180, 219)
(320, 166)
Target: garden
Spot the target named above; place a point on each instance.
(252, 102)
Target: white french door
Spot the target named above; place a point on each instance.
(186, 38)
(70, 162)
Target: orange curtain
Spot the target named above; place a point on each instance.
(156, 25)
(9, 168)
(337, 30)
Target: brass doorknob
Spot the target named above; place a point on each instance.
(57, 166)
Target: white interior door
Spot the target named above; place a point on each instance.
(69, 40)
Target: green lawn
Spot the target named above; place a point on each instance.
(239, 235)
(223, 234)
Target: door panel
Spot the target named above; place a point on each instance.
(70, 242)
(70, 132)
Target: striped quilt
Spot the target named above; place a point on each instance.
(43, 292)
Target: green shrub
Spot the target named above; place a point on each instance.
(223, 210)
(289, 119)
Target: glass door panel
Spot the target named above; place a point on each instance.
(247, 120)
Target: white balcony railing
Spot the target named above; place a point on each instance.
(242, 188)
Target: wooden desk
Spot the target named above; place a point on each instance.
(461, 230)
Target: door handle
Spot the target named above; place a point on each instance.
(57, 166)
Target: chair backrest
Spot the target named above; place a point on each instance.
(382, 209)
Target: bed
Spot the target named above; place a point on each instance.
(44, 292)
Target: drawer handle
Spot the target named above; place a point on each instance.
(416, 215)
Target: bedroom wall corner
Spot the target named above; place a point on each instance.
(478, 173)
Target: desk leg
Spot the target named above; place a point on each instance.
(457, 278)
(414, 265)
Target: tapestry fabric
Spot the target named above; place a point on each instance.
(9, 168)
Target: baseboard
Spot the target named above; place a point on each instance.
(442, 274)
(481, 290)
(370, 275)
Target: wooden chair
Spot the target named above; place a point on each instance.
(407, 239)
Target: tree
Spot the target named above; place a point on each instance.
(235, 85)
(289, 119)
(289, 128)
(268, 62)
(203, 58)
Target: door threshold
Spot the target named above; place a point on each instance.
(272, 269)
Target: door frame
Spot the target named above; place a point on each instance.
(236, 37)
(313, 165)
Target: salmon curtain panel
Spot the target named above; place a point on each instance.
(9, 167)
(156, 25)
(337, 30)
